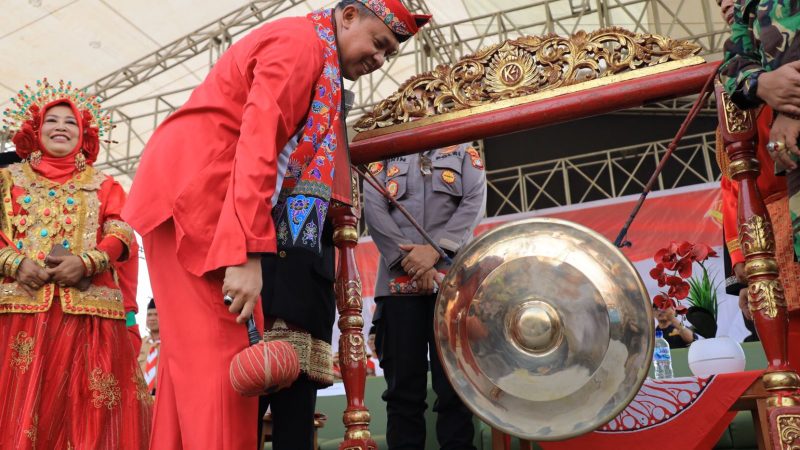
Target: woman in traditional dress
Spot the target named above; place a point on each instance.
(69, 376)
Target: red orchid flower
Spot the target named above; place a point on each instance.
(666, 258)
(684, 248)
(701, 252)
(657, 273)
(662, 301)
(679, 291)
(684, 267)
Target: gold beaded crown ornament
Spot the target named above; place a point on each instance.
(23, 120)
(29, 101)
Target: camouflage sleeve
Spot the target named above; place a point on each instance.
(742, 60)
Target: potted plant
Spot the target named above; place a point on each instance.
(674, 267)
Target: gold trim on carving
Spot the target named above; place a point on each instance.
(345, 233)
(781, 381)
(742, 166)
(349, 292)
(351, 321)
(788, 427)
(781, 400)
(766, 296)
(356, 418)
(357, 435)
(524, 70)
(755, 236)
(351, 348)
(736, 120)
(761, 266)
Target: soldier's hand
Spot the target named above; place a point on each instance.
(780, 88)
(785, 131)
(419, 260)
(243, 284)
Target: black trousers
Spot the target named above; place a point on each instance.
(298, 288)
(404, 340)
(292, 415)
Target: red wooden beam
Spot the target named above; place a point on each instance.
(550, 111)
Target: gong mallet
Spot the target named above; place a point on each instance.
(370, 178)
(621, 240)
(263, 367)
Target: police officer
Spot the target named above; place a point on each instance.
(445, 191)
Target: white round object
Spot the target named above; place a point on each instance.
(715, 355)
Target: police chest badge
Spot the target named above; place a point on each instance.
(449, 177)
(394, 170)
(391, 188)
(475, 158)
(375, 168)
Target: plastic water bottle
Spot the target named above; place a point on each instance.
(662, 359)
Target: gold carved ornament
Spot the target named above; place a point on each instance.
(355, 348)
(525, 66)
(755, 236)
(736, 120)
(789, 430)
(350, 292)
(766, 296)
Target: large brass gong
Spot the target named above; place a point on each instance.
(544, 328)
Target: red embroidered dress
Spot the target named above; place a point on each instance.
(69, 376)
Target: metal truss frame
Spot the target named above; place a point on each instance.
(212, 39)
(437, 44)
(600, 175)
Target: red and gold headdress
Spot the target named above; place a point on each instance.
(23, 119)
(396, 16)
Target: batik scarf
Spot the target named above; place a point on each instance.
(302, 205)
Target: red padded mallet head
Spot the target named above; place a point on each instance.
(263, 367)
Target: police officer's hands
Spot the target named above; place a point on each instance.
(426, 282)
(419, 260)
(243, 284)
(780, 88)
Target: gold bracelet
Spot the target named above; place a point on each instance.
(88, 264)
(100, 259)
(15, 265)
(6, 254)
(96, 261)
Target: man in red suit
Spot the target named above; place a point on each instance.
(245, 170)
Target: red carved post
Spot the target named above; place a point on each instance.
(352, 357)
(765, 294)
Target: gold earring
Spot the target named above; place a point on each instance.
(80, 162)
(35, 158)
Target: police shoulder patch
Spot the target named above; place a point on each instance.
(376, 168)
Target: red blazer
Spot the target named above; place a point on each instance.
(212, 165)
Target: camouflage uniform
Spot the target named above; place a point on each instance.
(764, 36)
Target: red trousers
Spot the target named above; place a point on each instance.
(196, 407)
